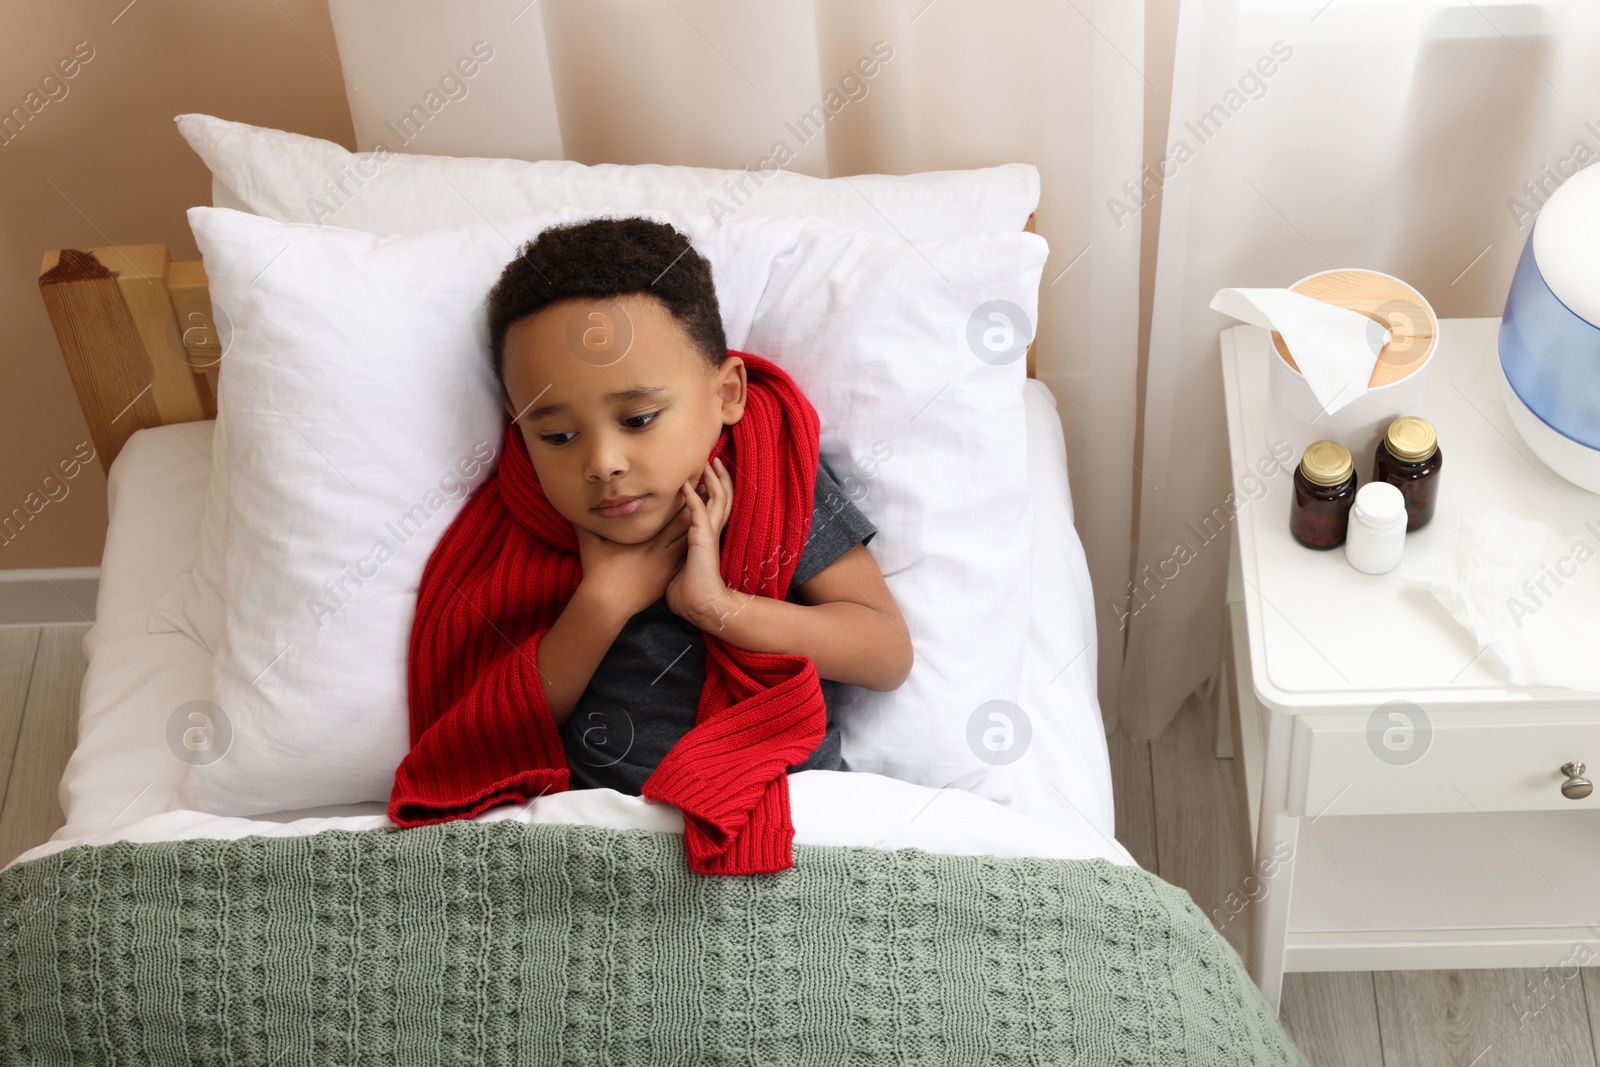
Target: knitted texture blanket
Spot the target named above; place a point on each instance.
(482, 732)
(505, 943)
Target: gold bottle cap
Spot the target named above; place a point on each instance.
(1326, 463)
(1411, 438)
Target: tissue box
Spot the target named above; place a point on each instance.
(1399, 382)
(1549, 340)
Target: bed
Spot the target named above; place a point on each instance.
(922, 922)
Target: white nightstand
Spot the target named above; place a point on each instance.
(1443, 850)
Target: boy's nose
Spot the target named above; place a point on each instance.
(606, 464)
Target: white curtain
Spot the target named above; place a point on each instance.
(716, 83)
(1415, 137)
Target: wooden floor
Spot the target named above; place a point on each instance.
(41, 669)
(1176, 813)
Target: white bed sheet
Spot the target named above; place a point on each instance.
(121, 781)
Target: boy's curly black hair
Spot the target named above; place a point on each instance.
(607, 258)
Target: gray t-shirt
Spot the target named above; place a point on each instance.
(644, 694)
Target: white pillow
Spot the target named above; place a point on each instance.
(358, 390)
(293, 178)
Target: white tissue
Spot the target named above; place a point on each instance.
(1334, 347)
(1527, 593)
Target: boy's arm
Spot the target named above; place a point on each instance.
(573, 647)
(849, 624)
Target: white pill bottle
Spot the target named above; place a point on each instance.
(1376, 535)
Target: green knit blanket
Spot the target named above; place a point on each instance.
(503, 943)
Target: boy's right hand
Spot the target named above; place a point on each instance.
(629, 578)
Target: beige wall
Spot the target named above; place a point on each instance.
(102, 163)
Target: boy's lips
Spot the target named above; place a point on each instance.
(620, 505)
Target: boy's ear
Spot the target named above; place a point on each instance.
(505, 400)
(730, 382)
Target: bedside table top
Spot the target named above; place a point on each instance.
(1323, 635)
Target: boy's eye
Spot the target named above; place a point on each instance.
(551, 438)
(634, 422)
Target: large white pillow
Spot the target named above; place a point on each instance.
(293, 178)
(358, 391)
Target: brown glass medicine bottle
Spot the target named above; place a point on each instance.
(1324, 489)
(1408, 457)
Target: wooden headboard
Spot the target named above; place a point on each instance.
(136, 331)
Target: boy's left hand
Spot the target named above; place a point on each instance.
(697, 592)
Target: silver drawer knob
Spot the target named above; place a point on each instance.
(1576, 787)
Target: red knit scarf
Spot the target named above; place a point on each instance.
(482, 733)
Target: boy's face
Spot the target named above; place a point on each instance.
(616, 402)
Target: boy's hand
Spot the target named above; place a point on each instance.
(698, 592)
(629, 578)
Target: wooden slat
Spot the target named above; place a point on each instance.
(1333, 1017)
(118, 330)
(1197, 822)
(102, 347)
(1454, 1018)
(1135, 804)
(191, 301)
(142, 276)
(1591, 988)
(32, 810)
(18, 645)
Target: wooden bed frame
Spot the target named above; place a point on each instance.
(136, 331)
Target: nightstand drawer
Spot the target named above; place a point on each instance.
(1458, 762)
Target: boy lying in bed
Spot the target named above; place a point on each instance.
(585, 621)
